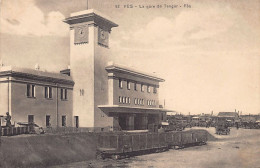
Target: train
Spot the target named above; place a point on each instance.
(122, 145)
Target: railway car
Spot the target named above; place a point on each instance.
(120, 145)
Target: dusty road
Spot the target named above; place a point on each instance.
(240, 149)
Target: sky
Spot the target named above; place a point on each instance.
(208, 53)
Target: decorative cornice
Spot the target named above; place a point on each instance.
(90, 15)
(114, 68)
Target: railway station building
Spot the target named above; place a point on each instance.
(35, 96)
(94, 93)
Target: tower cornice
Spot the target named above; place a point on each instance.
(90, 16)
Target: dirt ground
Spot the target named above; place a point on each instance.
(240, 149)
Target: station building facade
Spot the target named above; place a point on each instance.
(99, 95)
(133, 99)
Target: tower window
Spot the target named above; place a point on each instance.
(135, 86)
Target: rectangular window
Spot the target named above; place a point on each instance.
(30, 118)
(33, 90)
(129, 100)
(154, 89)
(48, 92)
(48, 119)
(119, 99)
(66, 94)
(142, 87)
(128, 85)
(135, 86)
(28, 91)
(63, 121)
(148, 89)
(63, 94)
(120, 83)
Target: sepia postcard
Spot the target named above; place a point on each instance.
(130, 83)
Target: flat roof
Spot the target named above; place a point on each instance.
(87, 15)
(124, 69)
(128, 109)
(227, 114)
(34, 74)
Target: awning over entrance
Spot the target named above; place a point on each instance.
(133, 118)
(125, 109)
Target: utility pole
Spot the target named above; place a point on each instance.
(0, 128)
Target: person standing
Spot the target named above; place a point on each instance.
(8, 119)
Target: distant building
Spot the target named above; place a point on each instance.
(248, 118)
(232, 116)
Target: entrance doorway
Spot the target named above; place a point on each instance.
(138, 122)
(122, 122)
(76, 121)
(31, 123)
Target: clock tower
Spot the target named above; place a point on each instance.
(89, 55)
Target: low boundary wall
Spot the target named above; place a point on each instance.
(46, 150)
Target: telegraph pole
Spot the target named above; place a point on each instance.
(0, 129)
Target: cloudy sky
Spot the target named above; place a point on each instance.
(208, 54)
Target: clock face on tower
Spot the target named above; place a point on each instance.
(103, 37)
(81, 34)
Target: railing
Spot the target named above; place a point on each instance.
(10, 131)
